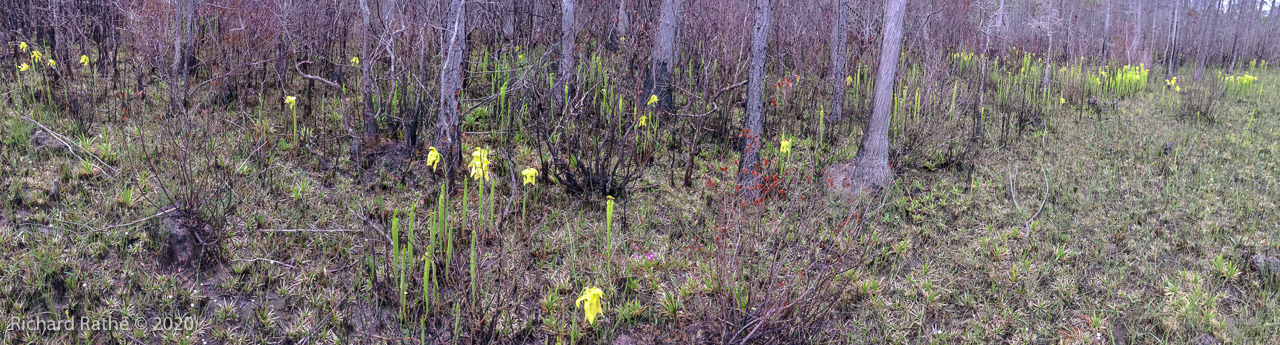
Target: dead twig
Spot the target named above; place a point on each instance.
(297, 67)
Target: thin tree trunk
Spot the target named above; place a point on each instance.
(664, 54)
(838, 34)
(870, 169)
(749, 169)
(1044, 84)
(448, 135)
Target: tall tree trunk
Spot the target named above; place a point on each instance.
(508, 19)
(870, 169)
(448, 134)
(1000, 25)
(1136, 40)
(1171, 52)
(664, 54)
(838, 34)
(1106, 31)
(1202, 52)
(622, 26)
(749, 169)
(181, 43)
(1235, 38)
(366, 72)
(568, 49)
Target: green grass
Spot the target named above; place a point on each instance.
(1130, 242)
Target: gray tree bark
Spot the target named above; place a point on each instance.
(1136, 42)
(664, 54)
(1235, 37)
(181, 43)
(508, 19)
(1171, 52)
(366, 72)
(870, 169)
(749, 169)
(1106, 31)
(448, 135)
(568, 49)
(839, 32)
(622, 26)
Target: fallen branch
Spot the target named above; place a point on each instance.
(66, 142)
(267, 260)
(161, 213)
(308, 230)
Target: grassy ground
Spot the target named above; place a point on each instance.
(1088, 232)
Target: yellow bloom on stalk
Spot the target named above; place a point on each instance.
(652, 99)
(355, 60)
(35, 55)
(84, 60)
(848, 80)
(786, 146)
(480, 164)
(433, 157)
(23, 67)
(51, 63)
(22, 46)
(291, 101)
(1062, 100)
(530, 176)
(591, 298)
(643, 121)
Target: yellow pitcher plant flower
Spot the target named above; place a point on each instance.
(23, 67)
(433, 157)
(644, 120)
(35, 55)
(84, 60)
(848, 80)
(1062, 100)
(291, 101)
(22, 46)
(590, 303)
(480, 164)
(51, 63)
(652, 99)
(355, 60)
(530, 176)
(785, 146)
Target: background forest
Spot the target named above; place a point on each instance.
(640, 171)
